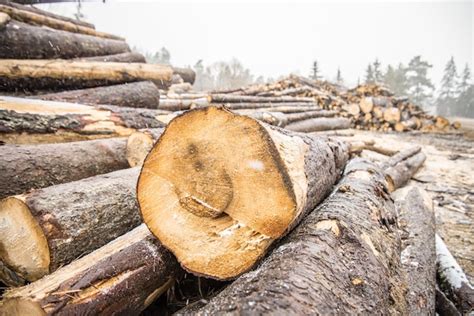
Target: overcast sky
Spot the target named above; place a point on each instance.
(274, 39)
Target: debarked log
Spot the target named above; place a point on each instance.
(344, 256)
(207, 169)
(142, 94)
(123, 277)
(48, 228)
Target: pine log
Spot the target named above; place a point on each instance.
(207, 169)
(319, 124)
(452, 279)
(229, 98)
(129, 57)
(366, 105)
(43, 20)
(293, 117)
(343, 258)
(142, 94)
(273, 118)
(182, 104)
(417, 220)
(172, 94)
(27, 167)
(121, 278)
(392, 115)
(48, 228)
(140, 143)
(290, 106)
(18, 75)
(352, 108)
(187, 74)
(45, 13)
(21, 40)
(400, 174)
(30, 117)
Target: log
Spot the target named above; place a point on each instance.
(400, 174)
(121, 278)
(48, 228)
(294, 117)
(187, 74)
(4, 20)
(24, 41)
(45, 13)
(18, 75)
(418, 256)
(366, 104)
(392, 115)
(27, 167)
(140, 143)
(290, 106)
(182, 104)
(129, 57)
(229, 186)
(343, 258)
(273, 118)
(43, 20)
(319, 124)
(452, 279)
(229, 98)
(142, 94)
(32, 117)
(352, 108)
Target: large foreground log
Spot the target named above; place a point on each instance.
(59, 24)
(131, 57)
(143, 94)
(27, 167)
(48, 228)
(20, 40)
(228, 186)
(123, 277)
(27, 117)
(344, 257)
(452, 279)
(418, 257)
(44, 74)
(319, 124)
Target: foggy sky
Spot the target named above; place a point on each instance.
(274, 39)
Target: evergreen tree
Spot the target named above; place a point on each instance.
(448, 90)
(165, 57)
(378, 77)
(465, 80)
(396, 79)
(315, 71)
(339, 76)
(420, 87)
(369, 75)
(464, 105)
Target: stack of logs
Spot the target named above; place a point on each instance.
(103, 210)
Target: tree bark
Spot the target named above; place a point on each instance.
(399, 175)
(344, 257)
(24, 41)
(121, 278)
(294, 117)
(27, 167)
(187, 74)
(18, 75)
(48, 228)
(452, 279)
(207, 169)
(28, 116)
(45, 13)
(142, 94)
(418, 256)
(140, 143)
(43, 20)
(230, 98)
(282, 107)
(319, 124)
(131, 57)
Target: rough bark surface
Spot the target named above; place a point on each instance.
(143, 94)
(342, 257)
(121, 278)
(20, 40)
(319, 124)
(399, 175)
(27, 167)
(57, 74)
(78, 217)
(417, 222)
(132, 57)
(187, 74)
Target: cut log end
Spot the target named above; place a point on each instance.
(198, 187)
(138, 146)
(24, 245)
